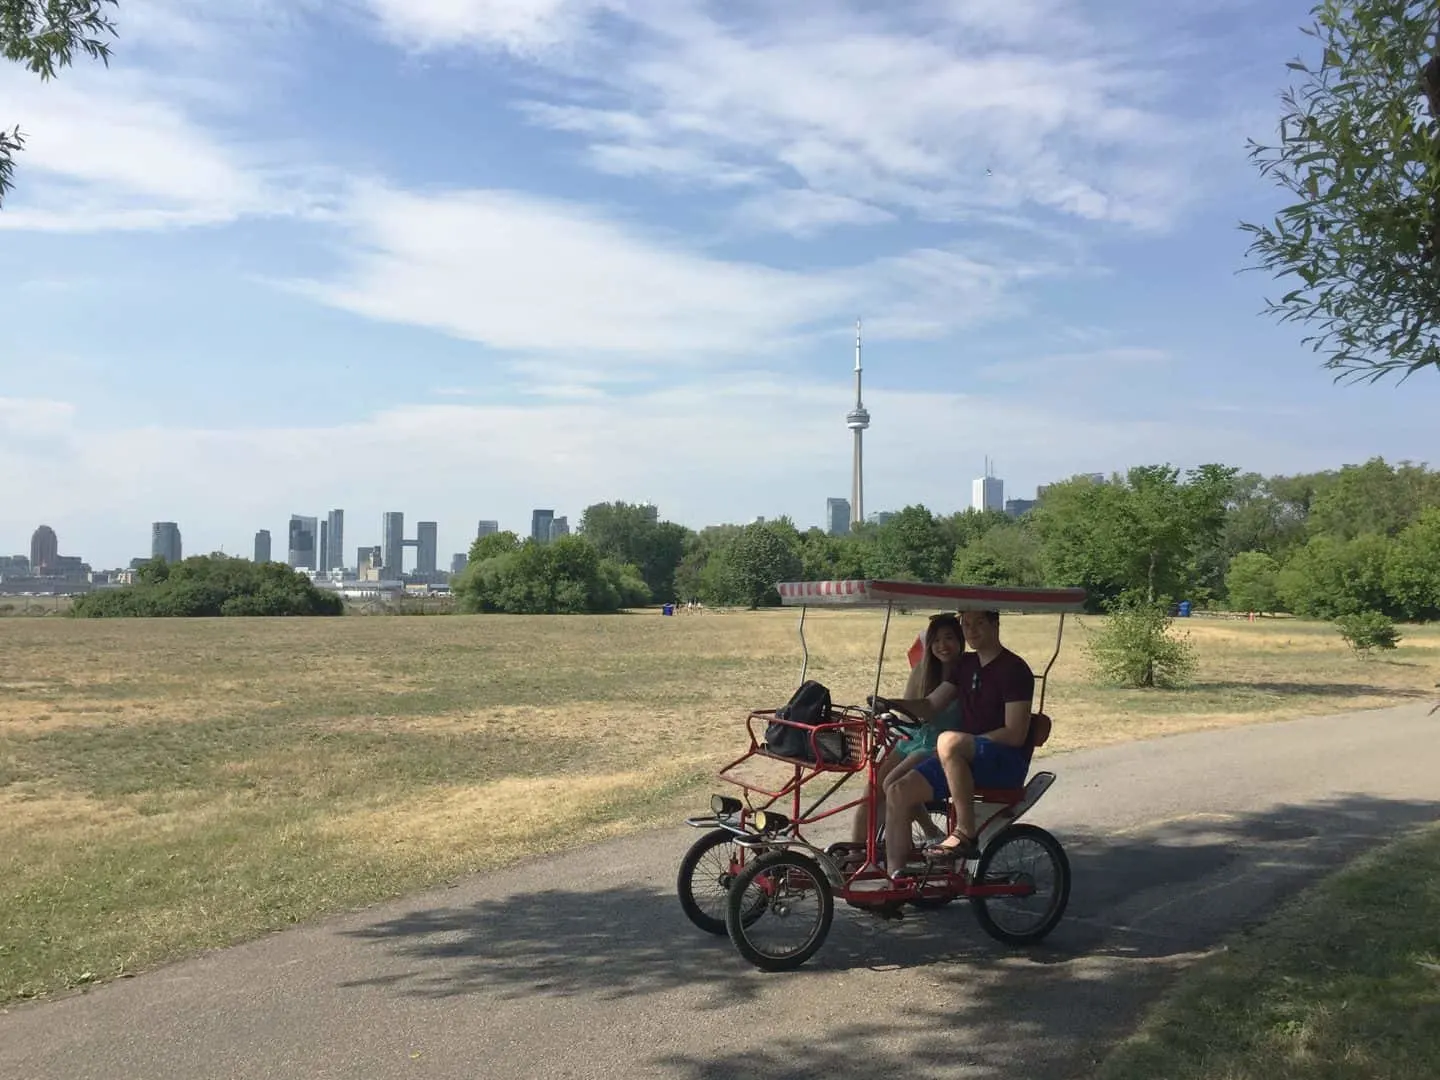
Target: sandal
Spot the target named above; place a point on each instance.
(964, 847)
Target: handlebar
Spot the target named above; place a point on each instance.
(901, 716)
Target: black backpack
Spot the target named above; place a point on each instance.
(809, 705)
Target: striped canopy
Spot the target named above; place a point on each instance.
(870, 593)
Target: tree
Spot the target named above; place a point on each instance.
(754, 561)
(626, 533)
(206, 586)
(1373, 498)
(44, 36)
(911, 546)
(1136, 649)
(1003, 555)
(1412, 569)
(1363, 162)
(1137, 534)
(565, 576)
(1252, 582)
(1327, 578)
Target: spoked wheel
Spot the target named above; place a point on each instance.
(703, 882)
(798, 907)
(1023, 855)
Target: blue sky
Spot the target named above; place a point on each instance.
(462, 258)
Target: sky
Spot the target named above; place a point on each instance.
(464, 258)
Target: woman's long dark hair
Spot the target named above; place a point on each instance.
(927, 674)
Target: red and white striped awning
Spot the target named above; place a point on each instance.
(870, 593)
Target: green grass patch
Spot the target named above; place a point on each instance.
(1343, 983)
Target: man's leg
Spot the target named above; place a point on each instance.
(901, 800)
(957, 751)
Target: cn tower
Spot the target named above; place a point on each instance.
(857, 420)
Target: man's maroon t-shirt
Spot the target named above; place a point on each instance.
(985, 689)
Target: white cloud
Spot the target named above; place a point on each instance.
(714, 450)
(534, 276)
(904, 109)
(132, 146)
(803, 212)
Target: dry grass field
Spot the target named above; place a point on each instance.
(172, 785)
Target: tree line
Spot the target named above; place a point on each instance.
(1362, 538)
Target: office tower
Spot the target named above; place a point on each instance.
(540, 525)
(336, 546)
(303, 535)
(165, 541)
(44, 549)
(426, 547)
(559, 527)
(837, 517)
(392, 540)
(369, 558)
(322, 563)
(988, 491)
(458, 562)
(486, 528)
(857, 420)
(262, 546)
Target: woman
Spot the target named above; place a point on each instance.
(944, 642)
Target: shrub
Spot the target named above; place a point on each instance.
(1365, 631)
(1135, 648)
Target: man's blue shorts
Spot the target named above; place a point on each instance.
(995, 766)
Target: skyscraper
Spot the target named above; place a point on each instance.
(44, 549)
(857, 420)
(540, 525)
(262, 546)
(165, 541)
(426, 547)
(559, 527)
(336, 547)
(837, 517)
(486, 528)
(303, 537)
(988, 491)
(458, 562)
(323, 562)
(392, 541)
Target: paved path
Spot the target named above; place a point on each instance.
(583, 965)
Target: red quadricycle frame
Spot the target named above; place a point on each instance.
(755, 868)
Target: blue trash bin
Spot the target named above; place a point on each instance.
(667, 609)
(1184, 609)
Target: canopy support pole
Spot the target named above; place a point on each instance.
(1045, 676)
(804, 649)
(880, 664)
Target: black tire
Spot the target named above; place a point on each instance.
(1046, 916)
(781, 864)
(710, 917)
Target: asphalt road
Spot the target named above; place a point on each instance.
(583, 965)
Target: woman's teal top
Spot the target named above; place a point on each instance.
(924, 740)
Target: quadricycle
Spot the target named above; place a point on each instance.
(756, 876)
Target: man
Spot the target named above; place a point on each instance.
(995, 689)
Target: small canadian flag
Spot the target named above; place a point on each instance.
(917, 650)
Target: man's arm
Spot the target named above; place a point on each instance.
(1017, 724)
(927, 708)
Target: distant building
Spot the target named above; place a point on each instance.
(988, 493)
(486, 528)
(426, 548)
(165, 541)
(44, 549)
(837, 517)
(392, 542)
(262, 546)
(1017, 507)
(322, 562)
(880, 517)
(304, 533)
(335, 559)
(18, 565)
(369, 558)
(458, 562)
(559, 527)
(540, 525)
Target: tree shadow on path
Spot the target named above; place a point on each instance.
(1144, 904)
